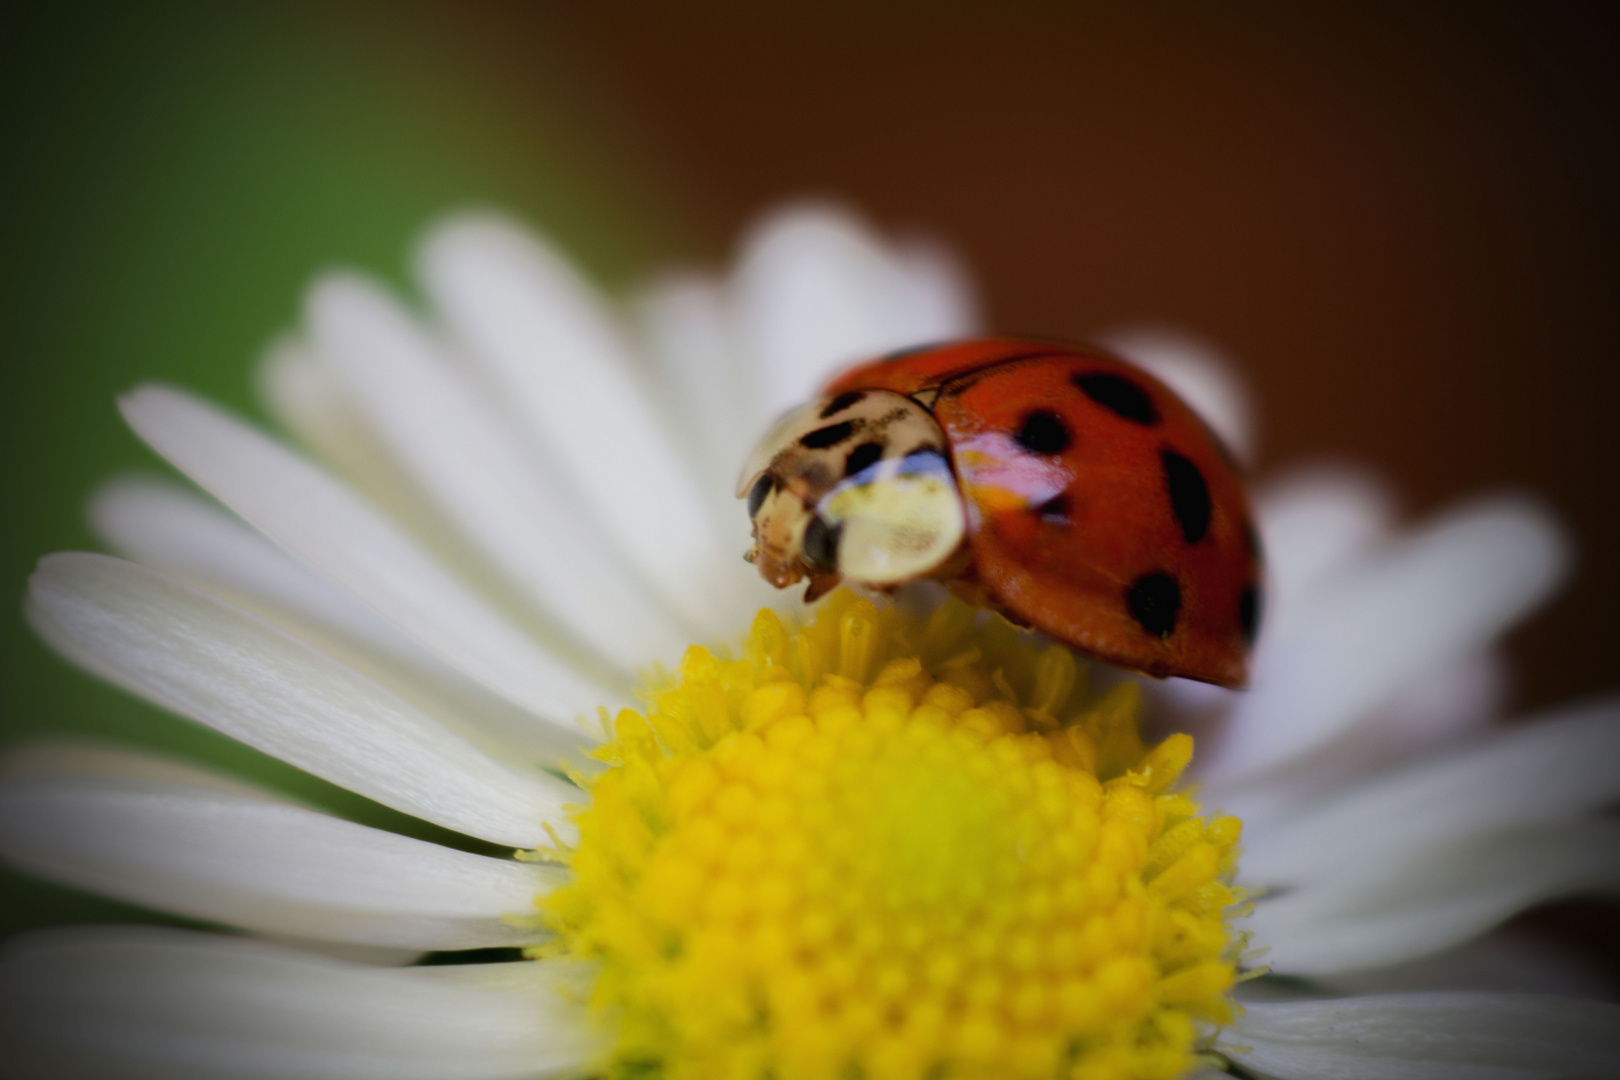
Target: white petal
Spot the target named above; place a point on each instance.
(263, 865)
(172, 529)
(193, 653)
(162, 525)
(940, 300)
(306, 398)
(1202, 377)
(72, 757)
(1515, 958)
(703, 386)
(81, 759)
(547, 343)
(1556, 768)
(683, 323)
(1444, 707)
(459, 449)
(370, 955)
(1314, 523)
(152, 1004)
(338, 535)
(1444, 1036)
(815, 291)
(1435, 597)
(539, 981)
(1372, 914)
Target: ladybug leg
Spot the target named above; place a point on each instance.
(822, 582)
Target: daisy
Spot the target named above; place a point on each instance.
(890, 841)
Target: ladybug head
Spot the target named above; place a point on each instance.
(857, 486)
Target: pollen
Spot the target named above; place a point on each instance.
(893, 847)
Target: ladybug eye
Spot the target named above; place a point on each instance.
(759, 493)
(821, 543)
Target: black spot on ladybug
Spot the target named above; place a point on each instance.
(1154, 601)
(1189, 495)
(759, 493)
(1043, 432)
(1055, 509)
(842, 402)
(1249, 612)
(862, 458)
(831, 435)
(1118, 395)
(821, 543)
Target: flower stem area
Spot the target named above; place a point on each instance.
(898, 846)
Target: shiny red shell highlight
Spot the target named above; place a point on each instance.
(1101, 509)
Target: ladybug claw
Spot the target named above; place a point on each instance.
(822, 582)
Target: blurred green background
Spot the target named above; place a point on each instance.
(173, 175)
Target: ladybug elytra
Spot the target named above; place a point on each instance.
(1057, 484)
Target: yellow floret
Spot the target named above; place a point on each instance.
(893, 847)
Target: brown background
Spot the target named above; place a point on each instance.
(1401, 222)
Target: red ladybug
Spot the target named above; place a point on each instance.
(1060, 485)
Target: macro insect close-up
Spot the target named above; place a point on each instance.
(1061, 486)
(854, 542)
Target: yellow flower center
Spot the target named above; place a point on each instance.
(891, 847)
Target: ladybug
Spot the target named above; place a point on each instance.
(1057, 484)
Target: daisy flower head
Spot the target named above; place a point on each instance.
(868, 839)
